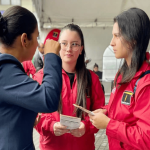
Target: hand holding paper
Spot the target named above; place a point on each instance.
(99, 120)
(60, 129)
(80, 131)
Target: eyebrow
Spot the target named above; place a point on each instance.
(71, 42)
(115, 33)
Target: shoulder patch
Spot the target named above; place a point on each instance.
(126, 99)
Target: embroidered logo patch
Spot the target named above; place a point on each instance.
(126, 99)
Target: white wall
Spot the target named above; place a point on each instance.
(96, 41)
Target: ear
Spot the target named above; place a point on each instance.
(81, 50)
(24, 40)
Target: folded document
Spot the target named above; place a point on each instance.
(70, 122)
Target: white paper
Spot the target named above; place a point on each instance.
(70, 122)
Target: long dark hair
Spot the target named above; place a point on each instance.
(134, 28)
(81, 71)
(15, 21)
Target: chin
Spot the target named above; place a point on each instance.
(118, 57)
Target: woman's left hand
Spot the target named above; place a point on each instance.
(99, 120)
(78, 132)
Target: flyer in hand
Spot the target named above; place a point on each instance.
(70, 122)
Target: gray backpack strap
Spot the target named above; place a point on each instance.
(145, 73)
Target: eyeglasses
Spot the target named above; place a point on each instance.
(40, 46)
(74, 46)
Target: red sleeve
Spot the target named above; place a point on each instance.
(32, 69)
(105, 107)
(138, 135)
(29, 68)
(38, 76)
(98, 100)
(45, 126)
(25, 66)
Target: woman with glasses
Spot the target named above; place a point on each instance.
(81, 87)
(127, 119)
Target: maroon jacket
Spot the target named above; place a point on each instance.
(48, 141)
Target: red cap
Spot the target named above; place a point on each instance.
(53, 34)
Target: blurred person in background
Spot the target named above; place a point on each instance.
(39, 57)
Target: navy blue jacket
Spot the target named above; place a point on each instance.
(21, 98)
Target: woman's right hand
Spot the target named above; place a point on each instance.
(60, 129)
(52, 46)
(104, 111)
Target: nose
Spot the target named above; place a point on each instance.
(68, 48)
(112, 43)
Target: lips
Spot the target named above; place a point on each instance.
(114, 50)
(68, 55)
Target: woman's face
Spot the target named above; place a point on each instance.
(120, 48)
(33, 43)
(70, 54)
(95, 69)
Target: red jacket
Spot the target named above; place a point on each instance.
(29, 68)
(129, 127)
(48, 141)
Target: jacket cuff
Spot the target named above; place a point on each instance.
(86, 123)
(51, 127)
(112, 129)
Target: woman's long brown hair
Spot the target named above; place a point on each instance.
(81, 71)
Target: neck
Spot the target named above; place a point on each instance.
(15, 50)
(69, 67)
(128, 60)
(11, 51)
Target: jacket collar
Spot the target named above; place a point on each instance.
(7, 58)
(64, 72)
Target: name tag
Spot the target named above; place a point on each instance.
(126, 99)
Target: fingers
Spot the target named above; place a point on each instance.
(59, 129)
(76, 133)
(52, 46)
(97, 110)
(80, 131)
(59, 126)
(105, 111)
(60, 132)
